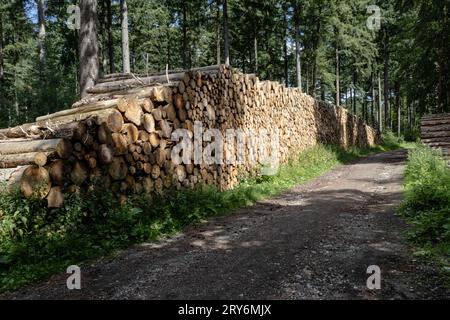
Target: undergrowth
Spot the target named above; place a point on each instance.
(427, 204)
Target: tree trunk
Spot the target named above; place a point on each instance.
(314, 62)
(307, 79)
(218, 46)
(42, 33)
(2, 70)
(399, 108)
(386, 83)
(443, 55)
(355, 79)
(226, 34)
(125, 40)
(365, 109)
(256, 56)
(380, 106)
(372, 117)
(185, 37)
(42, 49)
(88, 46)
(314, 78)
(110, 37)
(286, 56)
(338, 80)
(297, 48)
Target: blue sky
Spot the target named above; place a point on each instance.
(31, 11)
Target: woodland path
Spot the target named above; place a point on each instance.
(313, 242)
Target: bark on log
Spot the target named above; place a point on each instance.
(17, 160)
(144, 81)
(8, 147)
(12, 176)
(96, 106)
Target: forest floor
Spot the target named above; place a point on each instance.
(313, 242)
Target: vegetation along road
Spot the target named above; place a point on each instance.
(314, 242)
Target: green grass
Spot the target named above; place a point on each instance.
(427, 204)
(36, 242)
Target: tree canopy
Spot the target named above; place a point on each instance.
(395, 70)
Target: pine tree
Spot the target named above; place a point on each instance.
(89, 62)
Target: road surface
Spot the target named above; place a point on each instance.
(313, 242)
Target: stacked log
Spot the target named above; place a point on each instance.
(435, 132)
(120, 136)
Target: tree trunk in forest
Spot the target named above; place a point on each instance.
(446, 47)
(298, 60)
(42, 49)
(42, 33)
(185, 37)
(314, 78)
(380, 106)
(351, 99)
(286, 64)
(443, 63)
(125, 37)
(386, 83)
(372, 114)
(286, 56)
(110, 37)
(365, 110)
(88, 46)
(399, 108)
(256, 56)
(218, 46)
(338, 80)
(2, 70)
(314, 67)
(355, 79)
(226, 36)
(307, 79)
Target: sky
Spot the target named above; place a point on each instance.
(31, 11)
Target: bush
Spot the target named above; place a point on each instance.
(391, 141)
(412, 135)
(427, 198)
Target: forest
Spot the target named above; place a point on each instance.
(386, 61)
(95, 97)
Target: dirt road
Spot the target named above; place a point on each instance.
(314, 242)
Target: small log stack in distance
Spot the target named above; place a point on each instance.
(435, 132)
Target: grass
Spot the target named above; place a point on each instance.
(427, 205)
(36, 242)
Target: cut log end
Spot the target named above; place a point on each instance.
(35, 182)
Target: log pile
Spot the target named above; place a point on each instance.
(120, 135)
(435, 132)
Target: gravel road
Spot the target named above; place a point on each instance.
(313, 242)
